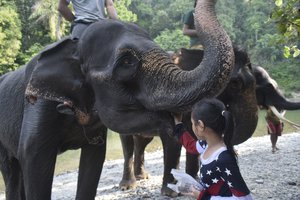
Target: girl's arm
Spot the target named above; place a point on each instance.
(186, 139)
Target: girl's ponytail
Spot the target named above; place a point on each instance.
(228, 131)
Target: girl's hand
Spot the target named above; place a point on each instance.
(194, 193)
(177, 118)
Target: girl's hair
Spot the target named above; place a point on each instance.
(212, 112)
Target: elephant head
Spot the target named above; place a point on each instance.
(118, 70)
(239, 95)
(268, 93)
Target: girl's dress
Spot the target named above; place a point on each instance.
(219, 174)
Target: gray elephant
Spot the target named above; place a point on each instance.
(266, 88)
(114, 76)
(238, 91)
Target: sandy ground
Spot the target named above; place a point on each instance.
(268, 176)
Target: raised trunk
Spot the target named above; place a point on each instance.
(175, 89)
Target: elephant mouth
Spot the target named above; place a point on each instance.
(131, 121)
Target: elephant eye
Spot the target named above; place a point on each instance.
(126, 67)
(127, 61)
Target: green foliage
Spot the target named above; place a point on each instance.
(172, 40)
(123, 12)
(10, 35)
(45, 13)
(267, 29)
(286, 15)
(286, 73)
(26, 56)
(156, 16)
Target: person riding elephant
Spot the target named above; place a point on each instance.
(189, 29)
(123, 81)
(86, 13)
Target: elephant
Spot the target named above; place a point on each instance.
(26, 177)
(241, 83)
(266, 88)
(113, 76)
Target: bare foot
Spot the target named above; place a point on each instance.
(273, 150)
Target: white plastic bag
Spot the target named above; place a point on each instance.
(185, 183)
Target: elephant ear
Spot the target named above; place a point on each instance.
(57, 76)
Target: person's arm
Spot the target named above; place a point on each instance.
(111, 11)
(183, 135)
(188, 25)
(189, 32)
(65, 11)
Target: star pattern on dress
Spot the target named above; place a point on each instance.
(217, 158)
(215, 180)
(227, 171)
(207, 185)
(209, 172)
(218, 169)
(229, 184)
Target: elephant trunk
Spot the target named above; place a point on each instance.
(243, 107)
(282, 103)
(174, 89)
(245, 114)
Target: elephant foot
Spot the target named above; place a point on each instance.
(127, 184)
(142, 176)
(165, 191)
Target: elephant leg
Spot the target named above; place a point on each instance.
(172, 150)
(12, 176)
(140, 143)
(38, 171)
(91, 163)
(37, 150)
(192, 165)
(128, 180)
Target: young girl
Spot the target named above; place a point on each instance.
(219, 173)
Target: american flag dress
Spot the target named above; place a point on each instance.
(219, 174)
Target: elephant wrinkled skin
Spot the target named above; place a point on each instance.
(114, 76)
(239, 95)
(249, 87)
